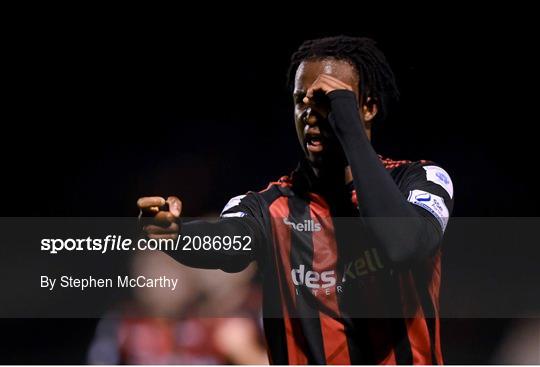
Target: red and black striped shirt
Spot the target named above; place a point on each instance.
(331, 296)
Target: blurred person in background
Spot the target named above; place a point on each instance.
(521, 345)
(182, 326)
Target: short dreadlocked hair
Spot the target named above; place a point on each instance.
(377, 80)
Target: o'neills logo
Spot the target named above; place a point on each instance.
(309, 225)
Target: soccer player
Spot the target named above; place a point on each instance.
(348, 245)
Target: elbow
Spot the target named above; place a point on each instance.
(401, 257)
(412, 249)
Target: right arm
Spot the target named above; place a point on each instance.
(237, 219)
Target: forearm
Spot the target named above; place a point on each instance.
(233, 259)
(404, 233)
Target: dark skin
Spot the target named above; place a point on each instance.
(314, 80)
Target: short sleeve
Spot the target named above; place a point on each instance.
(429, 187)
(241, 206)
(248, 209)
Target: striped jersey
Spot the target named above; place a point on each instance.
(330, 294)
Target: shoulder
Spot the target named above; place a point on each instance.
(426, 185)
(431, 173)
(252, 202)
(409, 173)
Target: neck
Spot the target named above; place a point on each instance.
(330, 177)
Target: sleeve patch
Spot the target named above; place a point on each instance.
(439, 176)
(232, 215)
(432, 203)
(232, 203)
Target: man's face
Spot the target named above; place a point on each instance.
(314, 132)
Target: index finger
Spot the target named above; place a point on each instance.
(150, 201)
(314, 86)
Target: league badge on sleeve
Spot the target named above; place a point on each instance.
(432, 203)
(439, 176)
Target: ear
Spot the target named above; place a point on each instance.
(369, 110)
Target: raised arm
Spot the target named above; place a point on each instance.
(234, 239)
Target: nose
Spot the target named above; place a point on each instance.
(309, 117)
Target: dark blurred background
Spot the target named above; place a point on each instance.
(107, 106)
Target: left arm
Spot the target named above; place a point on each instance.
(407, 233)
